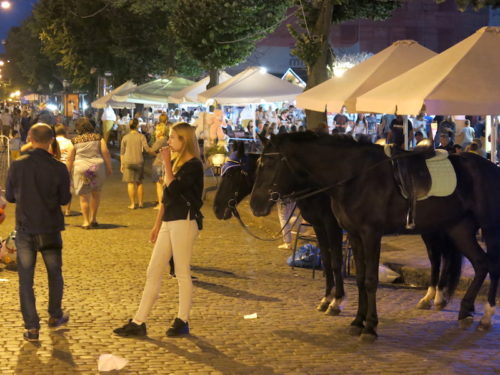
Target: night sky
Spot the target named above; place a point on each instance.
(19, 10)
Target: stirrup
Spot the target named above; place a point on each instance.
(410, 221)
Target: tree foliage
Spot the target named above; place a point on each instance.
(87, 38)
(219, 34)
(28, 67)
(312, 36)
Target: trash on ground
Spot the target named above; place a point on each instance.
(386, 275)
(250, 316)
(110, 362)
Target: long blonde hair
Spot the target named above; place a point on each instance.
(190, 146)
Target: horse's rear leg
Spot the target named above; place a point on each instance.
(335, 239)
(493, 256)
(464, 237)
(432, 244)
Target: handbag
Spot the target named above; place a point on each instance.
(198, 216)
(48, 241)
(199, 219)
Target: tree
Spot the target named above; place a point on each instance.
(29, 69)
(312, 39)
(89, 38)
(219, 34)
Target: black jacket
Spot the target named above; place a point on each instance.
(39, 185)
(185, 192)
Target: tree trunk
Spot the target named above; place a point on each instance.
(318, 72)
(214, 78)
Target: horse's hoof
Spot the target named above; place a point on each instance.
(333, 311)
(368, 338)
(323, 306)
(483, 327)
(441, 305)
(466, 322)
(355, 330)
(424, 305)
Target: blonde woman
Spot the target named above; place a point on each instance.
(161, 140)
(174, 231)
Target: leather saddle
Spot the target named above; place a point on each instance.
(412, 175)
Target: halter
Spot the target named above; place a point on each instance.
(231, 204)
(306, 193)
(274, 195)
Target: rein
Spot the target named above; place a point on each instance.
(306, 193)
(231, 204)
(277, 236)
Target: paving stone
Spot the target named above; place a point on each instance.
(105, 269)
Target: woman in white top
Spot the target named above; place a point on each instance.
(65, 147)
(360, 126)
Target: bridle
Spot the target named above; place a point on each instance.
(306, 193)
(233, 201)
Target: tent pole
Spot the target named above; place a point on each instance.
(405, 131)
(494, 134)
(487, 134)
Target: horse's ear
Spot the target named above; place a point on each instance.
(263, 139)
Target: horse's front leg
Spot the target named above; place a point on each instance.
(358, 324)
(335, 239)
(431, 241)
(371, 251)
(327, 267)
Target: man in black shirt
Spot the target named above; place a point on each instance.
(396, 132)
(39, 185)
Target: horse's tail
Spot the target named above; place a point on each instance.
(454, 259)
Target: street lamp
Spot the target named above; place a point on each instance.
(5, 4)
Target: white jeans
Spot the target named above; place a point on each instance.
(174, 238)
(284, 212)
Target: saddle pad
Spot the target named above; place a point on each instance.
(444, 178)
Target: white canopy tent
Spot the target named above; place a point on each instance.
(464, 79)
(253, 85)
(190, 93)
(387, 64)
(107, 99)
(156, 92)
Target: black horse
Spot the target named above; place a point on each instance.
(237, 182)
(368, 204)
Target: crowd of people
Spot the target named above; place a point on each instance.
(54, 167)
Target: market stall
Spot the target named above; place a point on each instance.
(331, 95)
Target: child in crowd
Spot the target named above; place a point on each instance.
(15, 145)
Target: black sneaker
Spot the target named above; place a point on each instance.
(31, 335)
(179, 327)
(131, 330)
(57, 322)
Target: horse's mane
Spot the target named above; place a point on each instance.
(324, 139)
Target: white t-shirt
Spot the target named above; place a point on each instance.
(65, 146)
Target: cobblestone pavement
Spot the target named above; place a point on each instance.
(105, 270)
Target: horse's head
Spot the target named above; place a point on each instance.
(236, 183)
(275, 177)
